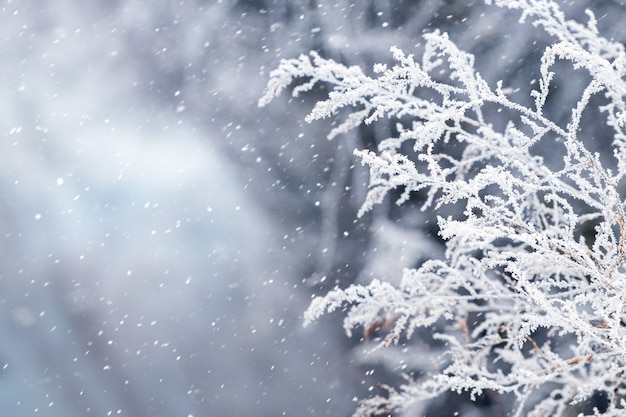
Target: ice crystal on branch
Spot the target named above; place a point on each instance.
(520, 272)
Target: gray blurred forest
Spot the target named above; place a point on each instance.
(161, 235)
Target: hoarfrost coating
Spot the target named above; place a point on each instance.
(534, 253)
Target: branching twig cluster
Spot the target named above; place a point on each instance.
(518, 261)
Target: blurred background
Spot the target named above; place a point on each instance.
(161, 235)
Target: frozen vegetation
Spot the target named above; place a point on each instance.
(529, 298)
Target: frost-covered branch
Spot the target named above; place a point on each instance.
(520, 271)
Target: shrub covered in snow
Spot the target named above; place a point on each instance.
(534, 251)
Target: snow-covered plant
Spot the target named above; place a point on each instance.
(534, 256)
